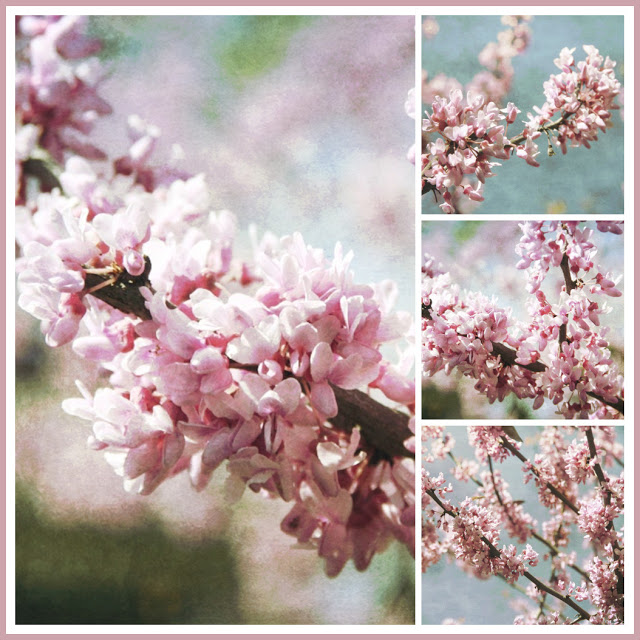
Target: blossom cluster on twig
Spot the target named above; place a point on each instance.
(273, 366)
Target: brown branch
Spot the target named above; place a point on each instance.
(556, 492)
(552, 126)
(382, 427)
(498, 496)
(552, 592)
(509, 356)
(569, 283)
(553, 549)
(120, 290)
(44, 170)
(604, 485)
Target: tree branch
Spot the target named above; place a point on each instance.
(604, 485)
(570, 285)
(119, 289)
(382, 427)
(552, 126)
(494, 552)
(513, 142)
(569, 282)
(553, 549)
(556, 492)
(509, 355)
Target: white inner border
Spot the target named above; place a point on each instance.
(466, 630)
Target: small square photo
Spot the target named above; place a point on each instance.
(522, 320)
(523, 525)
(522, 114)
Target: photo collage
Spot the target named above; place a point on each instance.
(318, 319)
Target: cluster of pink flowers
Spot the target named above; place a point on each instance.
(475, 532)
(57, 98)
(470, 530)
(495, 80)
(470, 135)
(561, 354)
(582, 97)
(486, 91)
(213, 359)
(544, 244)
(464, 138)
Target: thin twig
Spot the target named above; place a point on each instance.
(534, 534)
(604, 485)
(556, 492)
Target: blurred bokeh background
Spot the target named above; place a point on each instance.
(481, 257)
(583, 180)
(450, 593)
(299, 125)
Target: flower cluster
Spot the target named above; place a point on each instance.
(582, 97)
(464, 138)
(470, 530)
(471, 134)
(487, 90)
(561, 354)
(273, 365)
(57, 98)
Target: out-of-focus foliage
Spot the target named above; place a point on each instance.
(84, 573)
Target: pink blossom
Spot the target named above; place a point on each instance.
(57, 94)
